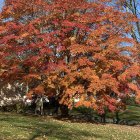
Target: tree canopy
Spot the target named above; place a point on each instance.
(73, 49)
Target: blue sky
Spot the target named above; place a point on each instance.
(1, 3)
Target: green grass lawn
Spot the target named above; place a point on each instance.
(18, 127)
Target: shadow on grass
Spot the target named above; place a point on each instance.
(47, 129)
(63, 133)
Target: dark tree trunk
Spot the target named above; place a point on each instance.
(117, 117)
(64, 111)
(103, 118)
(4, 109)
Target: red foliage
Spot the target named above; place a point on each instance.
(76, 46)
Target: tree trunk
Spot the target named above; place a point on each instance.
(117, 117)
(64, 111)
(103, 118)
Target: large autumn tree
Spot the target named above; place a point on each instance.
(75, 49)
